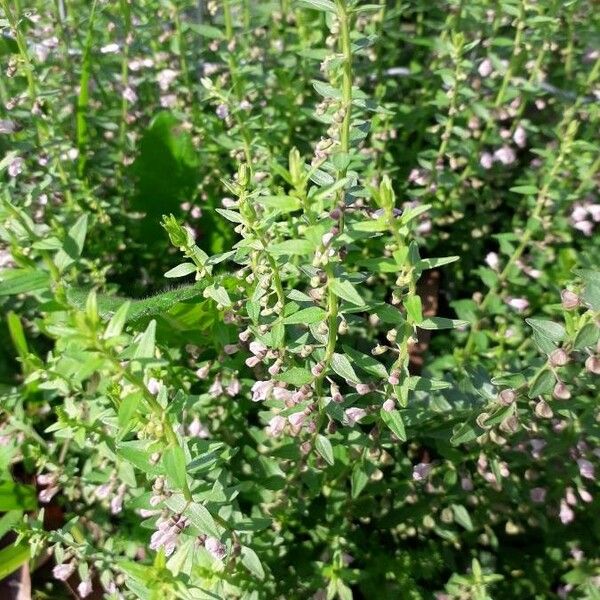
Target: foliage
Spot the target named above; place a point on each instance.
(377, 375)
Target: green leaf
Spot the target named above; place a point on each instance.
(219, 294)
(542, 384)
(366, 363)
(12, 557)
(359, 479)
(251, 561)
(324, 448)
(591, 295)
(394, 421)
(326, 90)
(17, 496)
(127, 408)
(321, 5)
(345, 290)
(283, 204)
(306, 316)
(527, 190)
(296, 376)
(549, 329)
(20, 281)
(181, 270)
(463, 433)
(461, 516)
(432, 263)
(230, 215)
(427, 385)
(73, 244)
(196, 512)
(174, 463)
(414, 309)
(341, 365)
(291, 248)
(587, 336)
(117, 321)
(441, 323)
(413, 213)
(145, 347)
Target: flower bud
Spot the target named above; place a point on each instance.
(592, 364)
(558, 358)
(570, 300)
(507, 397)
(561, 391)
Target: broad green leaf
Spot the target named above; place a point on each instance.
(17, 496)
(341, 365)
(413, 213)
(174, 464)
(251, 561)
(196, 512)
(553, 331)
(359, 479)
(587, 336)
(219, 294)
(414, 309)
(366, 363)
(12, 557)
(527, 190)
(463, 434)
(306, 316)
(230, 215)
(432, 263)
(296, 376)
(324, 448)
(20, 281)
(346, 291)
(291, 248)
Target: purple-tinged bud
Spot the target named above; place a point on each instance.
(363, 388)
(586, 468)
(215, 548)
(543, 410)
(317, 369)
(507, 397)
(394, 378)
(305, 448)
(538, 495)
(335, 394)
(561, 391)
(592, 364)
(570, 300)
(558, 358)
(84, 589)
(353, 415)
(63, 571)
(389, 405)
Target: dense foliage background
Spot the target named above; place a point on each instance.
(380, 377)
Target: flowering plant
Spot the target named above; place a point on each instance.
(378, 375)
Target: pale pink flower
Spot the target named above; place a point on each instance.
(297, 420)
(520, 136)
(492, 260)
(110, 49)
(197, 429)
(222, 111)
(215, 548)
(202, 372)
(216, 388)
(363, 388)
(63, 571)
(15, 166)
(165, 78)
(519, 304)
(586, 468)
(84, 588)
(258, 349)
(421, 471)
(47, 494)
(102, 491)
(485, 68)
(506, 155)
(168, 100)
(130, 95)
(566, 515)
(261, 390)
(276, 426)
(7, 127)
(389, 405)
(353, 415)
(486, 160)
(585, 495)
(153, 386)
(586, 227)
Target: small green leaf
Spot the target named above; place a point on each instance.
(296, 376)
(251, 561)
(321, 5)
(324, 448)
(587, 336)
(414, 309)
(395, 423)
(441, 323)
(461, 516)
(73, 244)
(145, 347)
(181, 270)
(291, 248)
(359, 479)
(17, 496)
(542, 384)
(527, 190)
(20, 281)
(463, 433)
(230, 215)
(432, 263)
(341, 365)
(174, 464)
(219, 294)
(346, 291)
(306, 316)
(366, 363)
(117, 321)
